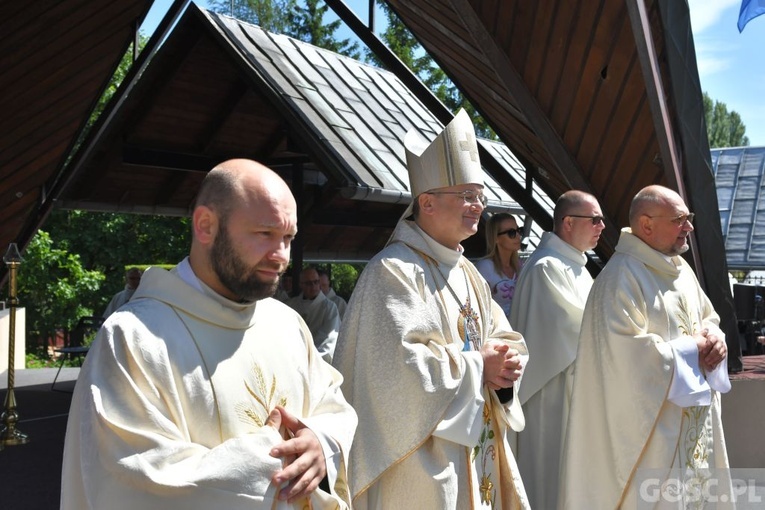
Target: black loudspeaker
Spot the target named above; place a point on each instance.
(743, 298)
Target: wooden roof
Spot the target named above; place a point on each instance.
(219, 88)
(56, 59)
(602, 96)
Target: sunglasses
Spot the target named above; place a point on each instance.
(511, 233)
(594, 219)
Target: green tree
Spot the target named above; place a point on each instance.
(109, 242)
(405, 46)
(343, 276)
(307, 24)
(724, 128)
(271, 15)
(54, 287)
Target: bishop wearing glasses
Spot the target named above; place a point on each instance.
(547, 309)
(431, 364)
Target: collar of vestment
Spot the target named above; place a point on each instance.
(197, 300)
(302, 303)
(409, 233)
(631, 245)
(551, 241)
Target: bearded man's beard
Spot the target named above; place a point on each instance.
(242, 280)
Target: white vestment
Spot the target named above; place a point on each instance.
(549, 301)
(118, 300)
(323, 320)
(641, 407)
(430, 435)
(339, 302)
(170, 406)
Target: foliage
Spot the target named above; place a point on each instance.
(39, 358)
(344, 277)
(404, 45)
(54, 286)
(724, 128)
(270, 15)
(119, 75)
(307, 24)
(109, 243)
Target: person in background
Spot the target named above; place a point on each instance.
(285, 287)
(549, 302)
(203, 392)
(432, 366)
(502, 264)
(132, 280)
(326, 288)
(318, 312)
(649, 370)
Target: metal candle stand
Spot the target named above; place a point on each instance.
(9, 434)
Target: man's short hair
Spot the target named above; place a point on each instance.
(644, 200)
(308, 268)
(568, 203)
(219, 191)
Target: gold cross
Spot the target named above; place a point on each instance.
(470, 146)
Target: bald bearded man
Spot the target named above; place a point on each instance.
(202, 391)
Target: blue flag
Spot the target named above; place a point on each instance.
(749, 9)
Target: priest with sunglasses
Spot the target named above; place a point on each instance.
(547, 309)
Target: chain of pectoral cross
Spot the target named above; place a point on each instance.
(468, 314)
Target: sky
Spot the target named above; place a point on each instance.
(731, 64)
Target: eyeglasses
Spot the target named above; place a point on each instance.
(678, 220)
(594, 219)
(511, 233)
(469, 196)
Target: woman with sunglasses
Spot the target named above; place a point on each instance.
(502, 263)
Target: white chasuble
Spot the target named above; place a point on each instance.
(323, 319)
(549, 302)
(430, 435)
(170, 407)
(636, 361)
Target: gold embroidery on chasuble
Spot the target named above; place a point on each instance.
(484, 457)
(696, 438)
(264, 398)
(696, 429)
(686, 324)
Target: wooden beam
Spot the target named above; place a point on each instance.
(174, 160)
(697, 168)
(506, 74)
(537, 119)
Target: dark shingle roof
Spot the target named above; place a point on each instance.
(360, 113)
(740, 180)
